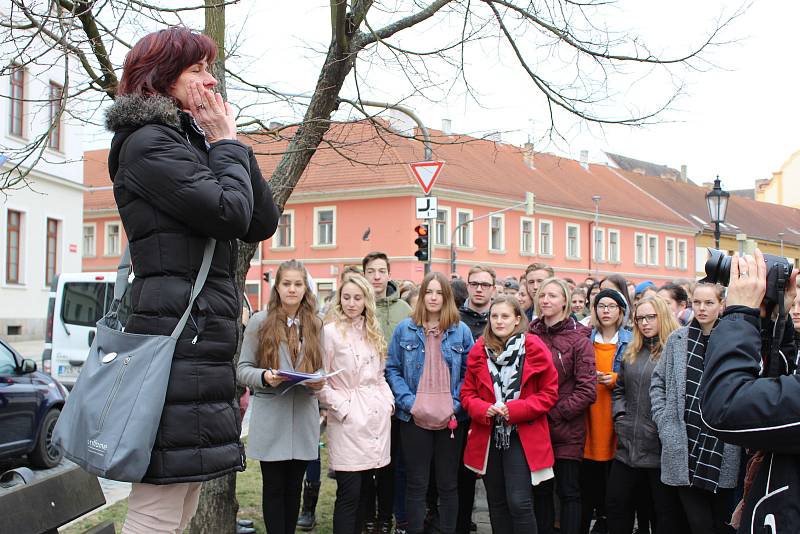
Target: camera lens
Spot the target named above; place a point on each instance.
(717, 268)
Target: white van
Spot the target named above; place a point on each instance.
(77, 301)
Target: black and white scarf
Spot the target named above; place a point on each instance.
(705, 450)
(506, 372)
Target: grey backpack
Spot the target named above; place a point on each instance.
(109, 423)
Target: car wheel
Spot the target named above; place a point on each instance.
(46, 455)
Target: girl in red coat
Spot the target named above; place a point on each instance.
(509, 387)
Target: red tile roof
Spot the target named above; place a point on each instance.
(760, 220)
(356, 156)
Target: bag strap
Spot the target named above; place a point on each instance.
(124, 271)
(202, 274)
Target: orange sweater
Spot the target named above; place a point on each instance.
(601, 441)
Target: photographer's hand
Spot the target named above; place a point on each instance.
(748, 281)
(791, 290)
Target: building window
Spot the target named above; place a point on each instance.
(17, 101)
(599, 244)
(546, 238)
(573, 241)
(496, 231)
(683, 261)
(442, 236)
(56, 101)
(13, 246)
(284, 234)
(89, 242)
(652, 250)
(640, 255)
(325, 226)
(613, 246)
(51, 251)
(526, 236)
(112, 240)
(464, 228)
(669, 252)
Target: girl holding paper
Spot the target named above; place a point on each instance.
(358, 399)
(284, 432)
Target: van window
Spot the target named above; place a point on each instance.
(83, 303)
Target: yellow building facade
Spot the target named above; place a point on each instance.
(784, 186)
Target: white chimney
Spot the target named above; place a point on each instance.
(585, 159)
(684, 174)
(447, 126)
(528, 155)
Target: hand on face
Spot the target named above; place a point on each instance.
(212, 114)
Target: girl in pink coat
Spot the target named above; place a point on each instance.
(358, 399)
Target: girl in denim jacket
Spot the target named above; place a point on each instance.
(425, 368)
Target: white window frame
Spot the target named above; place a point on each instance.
(467, 229)
(447, 227)
(636, 259)
(93, 252)
(106, 251)
(618, 258)
(599, 253)
(532, 250)
(317, 211)
(670, 263)
(502, 218)
(650, 260)
(549, 242)
(577, 228)
(275, 244)
(683, 259)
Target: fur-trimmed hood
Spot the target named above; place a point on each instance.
(134, 111)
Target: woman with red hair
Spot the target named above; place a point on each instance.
(181, 177)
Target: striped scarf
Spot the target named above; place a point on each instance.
(705, 450)
(506, 372)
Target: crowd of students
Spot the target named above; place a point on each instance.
(577, 406)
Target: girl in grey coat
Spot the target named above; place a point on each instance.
(284, 428)
(637, 461)
(704, 469)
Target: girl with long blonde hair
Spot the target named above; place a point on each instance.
(284, 433)
(358, 399)
(637, 461)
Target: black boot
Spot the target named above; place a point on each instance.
(308, 518)
(385, 527)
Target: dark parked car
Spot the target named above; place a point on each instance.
(30, 403)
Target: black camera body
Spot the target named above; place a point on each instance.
(718, 271)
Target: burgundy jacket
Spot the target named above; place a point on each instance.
(573, 357)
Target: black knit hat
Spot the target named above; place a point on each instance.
(614, 295)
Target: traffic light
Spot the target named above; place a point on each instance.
(421, 242)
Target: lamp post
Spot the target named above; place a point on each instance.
(597, 254)
(717, 201)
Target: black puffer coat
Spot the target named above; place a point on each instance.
(173, 192)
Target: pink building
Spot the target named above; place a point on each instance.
(361, 198)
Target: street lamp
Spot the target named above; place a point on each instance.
(717, 201)
(598, 254)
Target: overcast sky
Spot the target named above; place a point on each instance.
(737, 119)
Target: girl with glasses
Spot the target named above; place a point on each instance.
(510, 386)
(573, 357)
(703, 468)
(609, 338)
(637, 461)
